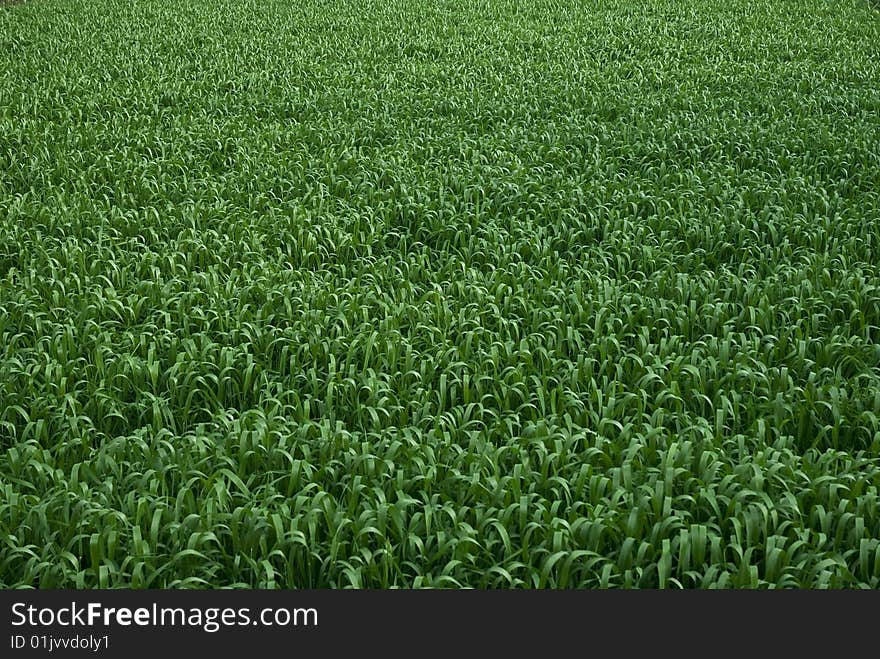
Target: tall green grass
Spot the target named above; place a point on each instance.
(439, 294)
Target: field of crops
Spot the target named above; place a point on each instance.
(410, 293)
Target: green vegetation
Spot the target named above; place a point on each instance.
(531, 293)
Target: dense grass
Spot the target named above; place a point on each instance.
(440, 293)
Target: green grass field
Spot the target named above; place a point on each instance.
(505, 294)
